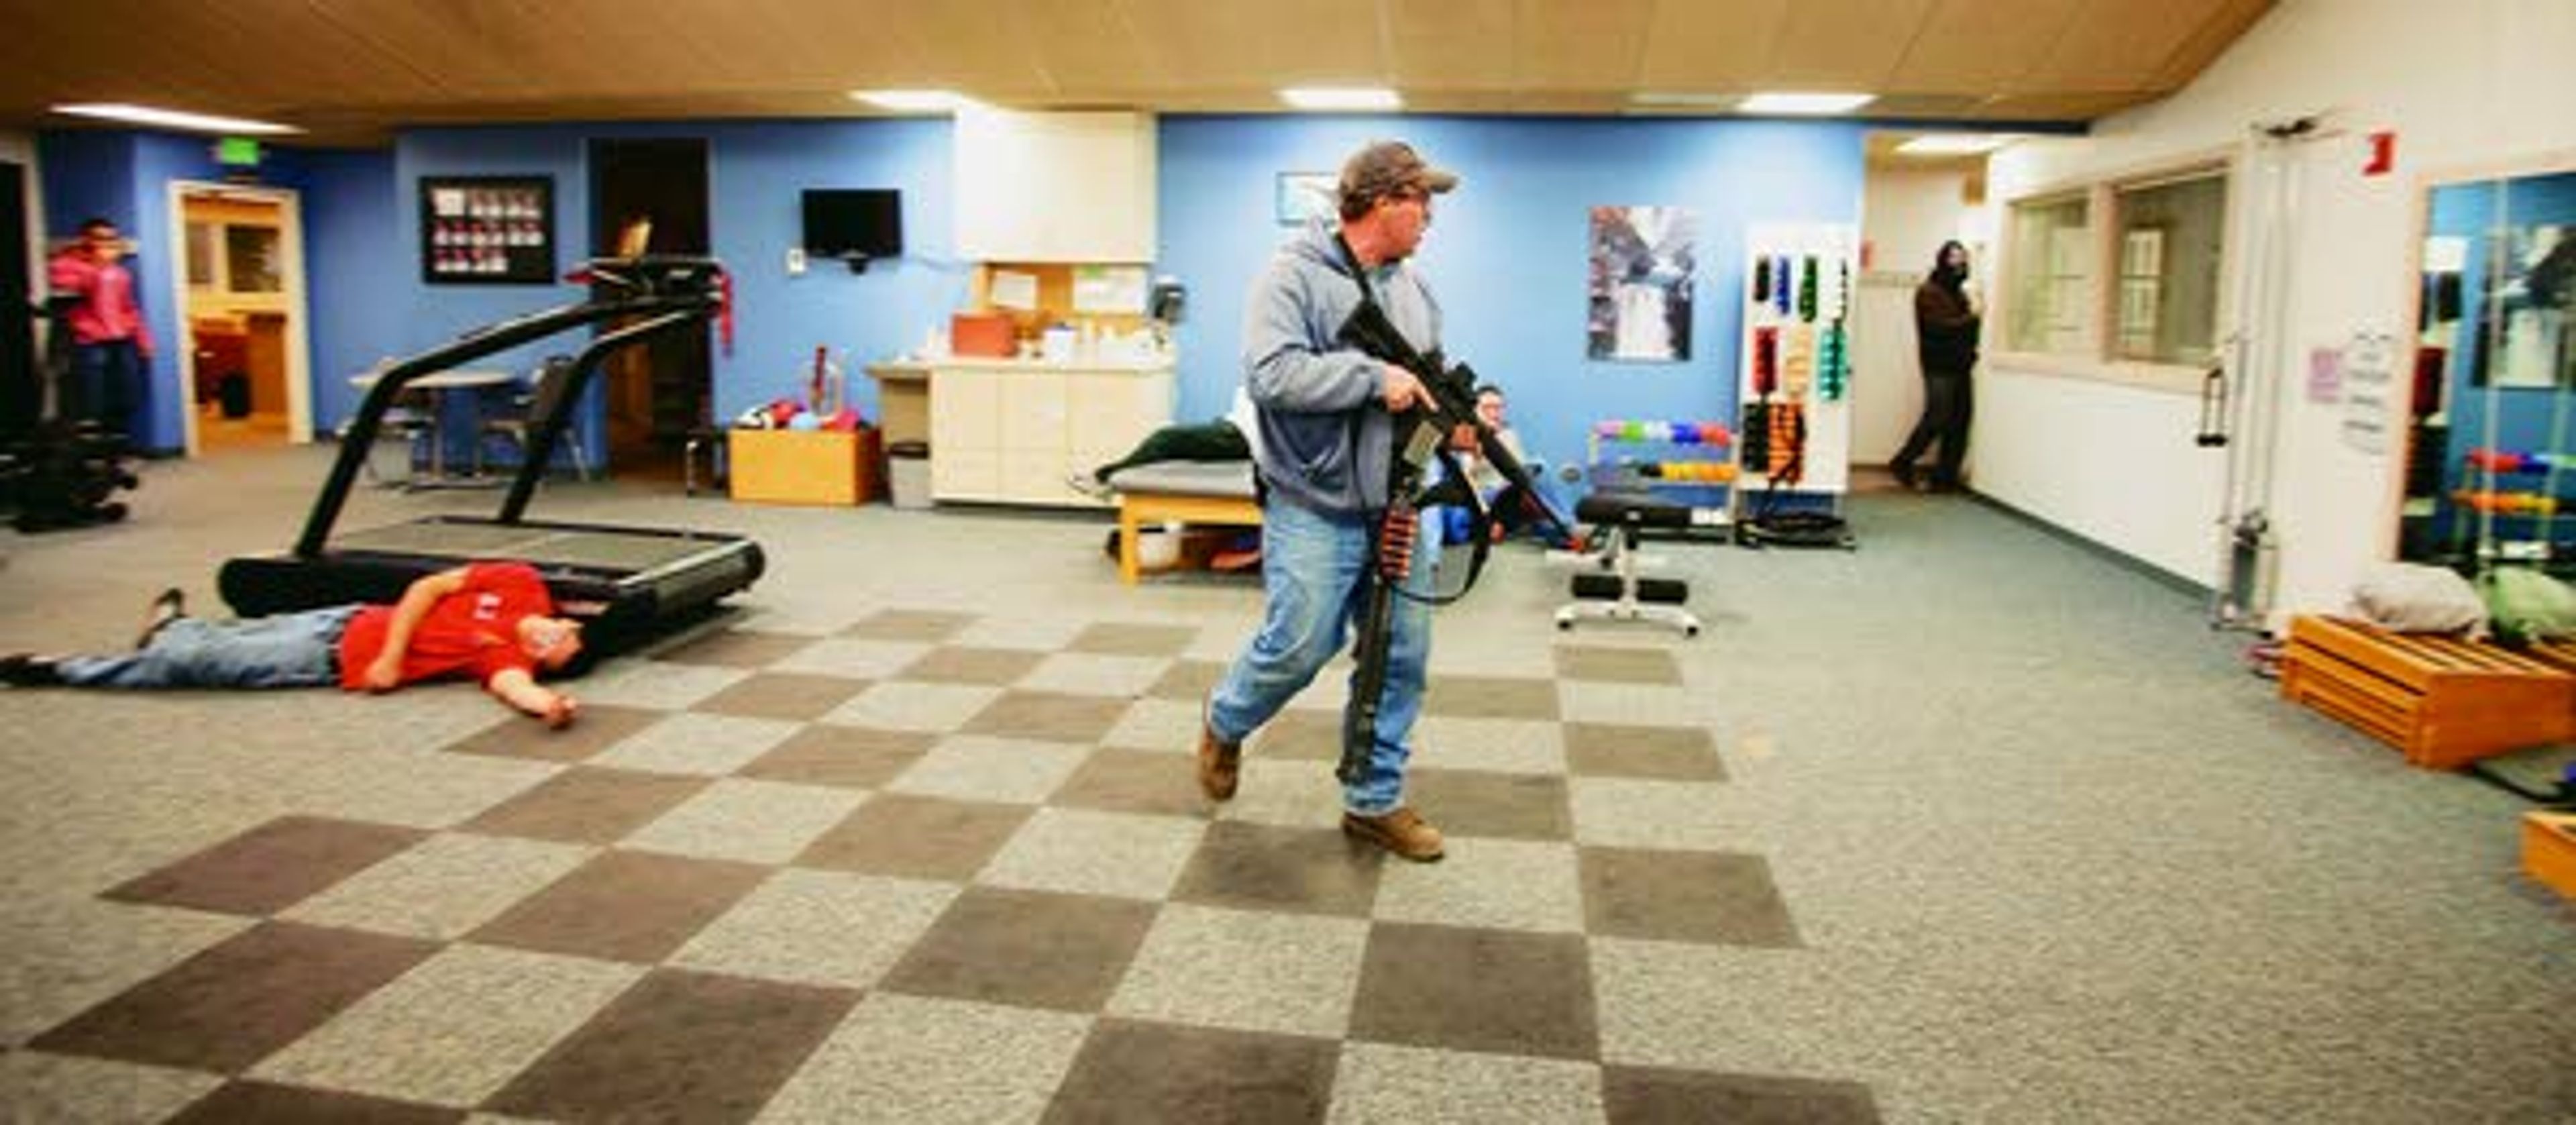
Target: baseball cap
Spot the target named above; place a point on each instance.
(1387, 167)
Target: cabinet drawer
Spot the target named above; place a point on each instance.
(1032, 410)
(965, 411)
(965, 474)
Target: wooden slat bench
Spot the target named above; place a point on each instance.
(1216, 492)
(2444, 702)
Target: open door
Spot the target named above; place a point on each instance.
(243, 368)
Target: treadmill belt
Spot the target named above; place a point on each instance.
(586, 548)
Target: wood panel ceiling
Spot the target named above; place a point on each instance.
(349, 70)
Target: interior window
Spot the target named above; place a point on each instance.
(2052, 271)
(2165, 306)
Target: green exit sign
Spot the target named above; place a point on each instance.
(237, 152)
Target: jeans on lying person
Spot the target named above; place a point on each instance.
(288, 650)
(1312, 569)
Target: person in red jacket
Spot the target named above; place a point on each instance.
(110, 341)
(494, 622)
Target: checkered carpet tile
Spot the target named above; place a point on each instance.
(922, 870)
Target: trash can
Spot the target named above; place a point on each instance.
(233, 392)
(908, 473)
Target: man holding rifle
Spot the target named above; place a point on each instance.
(1324, 444)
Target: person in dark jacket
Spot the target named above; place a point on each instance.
(1945, 333)
(1322, 440)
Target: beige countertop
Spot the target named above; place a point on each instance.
(921, 368)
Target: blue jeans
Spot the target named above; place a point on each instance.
(288, 650)
(106, 386)
(1312, 568)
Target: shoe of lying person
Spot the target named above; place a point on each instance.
(28, 670)
(168, 606)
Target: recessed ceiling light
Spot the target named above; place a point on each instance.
(1804, 103)
(174, 119)
(1952, 144)
(915, 101)
(1341, 97)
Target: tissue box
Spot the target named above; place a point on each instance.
(982, 334)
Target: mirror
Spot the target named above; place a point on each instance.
(2491, 470)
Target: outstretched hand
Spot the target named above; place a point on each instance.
(383, 674)
(560, 711)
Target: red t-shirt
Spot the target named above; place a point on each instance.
(475, 629)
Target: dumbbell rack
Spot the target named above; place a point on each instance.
(1640, 473)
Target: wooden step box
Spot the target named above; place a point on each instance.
(2444, 702)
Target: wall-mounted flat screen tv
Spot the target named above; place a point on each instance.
(854, 223)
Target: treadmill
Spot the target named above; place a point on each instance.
(624, 583)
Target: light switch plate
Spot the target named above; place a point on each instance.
(795, 259)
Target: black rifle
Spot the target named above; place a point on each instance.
(1422, 433)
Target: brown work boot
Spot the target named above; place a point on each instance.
(1403, 832)
(1220, 762)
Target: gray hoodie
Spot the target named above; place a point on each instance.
(1307, 387)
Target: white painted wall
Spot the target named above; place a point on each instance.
(2468, 82)
(1905, 217)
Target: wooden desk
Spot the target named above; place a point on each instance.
(903, 400)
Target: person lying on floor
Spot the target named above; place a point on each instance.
(493, 621)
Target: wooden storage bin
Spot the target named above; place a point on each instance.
(2549, 850)
(805, 466)
(2444, 702)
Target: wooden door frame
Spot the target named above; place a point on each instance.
(299, 313)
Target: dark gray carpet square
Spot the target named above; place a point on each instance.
(1049, 716)
(1134, 1071)
(1490, 697)
(588, 805)
(1124, 638)
(735, 648)
(1654, 753)
(1030, 948)
(848, 757)
(1653, 1095)
(1134, 781)
(1000, 667)
(623, 906)
(515, 737)
(1273, 867)
(240, 1000)
(1477, 990)
(1623, 665)
(916, 837)
(1188, 679)
(270, 867)
(781, 695)
(1715, 897)
(679, 1046)
(910, 625)
(1516, 806)
(273, 1104)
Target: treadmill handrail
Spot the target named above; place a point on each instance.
(360, 435)
(554, 403)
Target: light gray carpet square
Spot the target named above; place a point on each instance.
(1258, 971)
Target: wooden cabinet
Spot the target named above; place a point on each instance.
(1011, 432)
(1055, 187)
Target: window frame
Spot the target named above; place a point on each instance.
(2099, 355)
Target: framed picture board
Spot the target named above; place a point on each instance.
(487, 230)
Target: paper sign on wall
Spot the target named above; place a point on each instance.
(2366, 370)
(1015, 290)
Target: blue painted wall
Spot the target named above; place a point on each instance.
(125, 176)
(757, 173)
(352, 254)
(1507, 253)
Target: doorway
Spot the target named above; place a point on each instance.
(650, 195)
(242, 367)
(22, 395)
